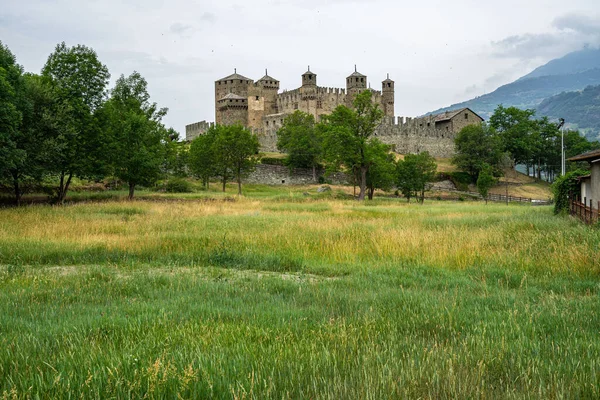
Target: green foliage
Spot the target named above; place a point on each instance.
(178, 185)
(177, 154)
(299, 139)
(235, 149)
(565, 188)
(461, 180)
(272, 161)
(202, 157)
(382, 173)
(138, 138)
(347, 135)
(476, 145)
(515, 129)
(485, 181)
(414, 173)
(79, 81)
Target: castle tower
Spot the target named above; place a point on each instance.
(355, 83)
(262, 100)
(237, 85)
(387, 90)
(309, 78)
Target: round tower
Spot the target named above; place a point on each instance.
(387, 91)
(355, 83)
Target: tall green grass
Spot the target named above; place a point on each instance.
(307, 298)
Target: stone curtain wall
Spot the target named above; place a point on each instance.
(192, 131)
(405, 136)
(281, 175)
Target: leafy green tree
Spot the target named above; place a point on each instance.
(177, 155)
(516, 129)
(235, 153)
(202, 158)
(485, 181)
(347, 137)
(138, 136)
(298, 138)
(382, 173)
(80, 81)
(414, 173)
(10, 116)
(476, 145)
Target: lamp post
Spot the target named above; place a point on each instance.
(561, 126)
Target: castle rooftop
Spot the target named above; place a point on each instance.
(231, 96)
(235, 75)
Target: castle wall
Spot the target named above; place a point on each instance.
(224, 87)
(409, 137)
(467, 117)
(234, 115)
(192, 131)
(281, 175)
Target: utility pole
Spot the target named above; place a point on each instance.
(561, 126)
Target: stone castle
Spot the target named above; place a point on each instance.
(260, 107)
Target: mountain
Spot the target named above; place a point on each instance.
(573, 72)
(580, 109)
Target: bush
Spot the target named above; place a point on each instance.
(178, 185)
(461, 180)
(565, 187)
(272, 161)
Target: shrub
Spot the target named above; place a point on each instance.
(565, 187)
(178, 185)
(272, 161)
(461, 180)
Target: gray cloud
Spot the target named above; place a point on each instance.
(572, 32)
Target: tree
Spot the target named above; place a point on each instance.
(297, 137)
(177, 155)
(381, 174)
(414, 173)
(476, 145)
(80, 81)
(347, 135)
(138, 136)
(235, 150)
(202, 157)
(485, 181)
(10, 116)
(516, 129)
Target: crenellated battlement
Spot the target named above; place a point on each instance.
(199, 128)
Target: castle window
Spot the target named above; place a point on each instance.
(389, 85)
(356, 79)
(319, 105)
(232, 81)
(310, 77)
(466, 116)
(295, 106)
(267, 123)
(428, 124)
(447, 128)
(256, 97)
(362, 79)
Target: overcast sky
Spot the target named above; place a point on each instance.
(438, 52)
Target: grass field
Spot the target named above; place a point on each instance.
(281, 295)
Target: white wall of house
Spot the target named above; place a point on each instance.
(595, 183)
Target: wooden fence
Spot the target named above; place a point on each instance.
(585, 210)
(503, 198)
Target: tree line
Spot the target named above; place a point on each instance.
(65, 123)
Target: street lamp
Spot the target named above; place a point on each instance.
(561, 126)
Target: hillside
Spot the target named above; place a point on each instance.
(581, 108)
(573, 72)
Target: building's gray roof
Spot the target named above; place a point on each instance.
(268, 78)
(587, 156)
(357, 74)
(232, 96)
(448, 115)
(234, 77)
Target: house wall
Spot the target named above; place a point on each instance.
(595, 183)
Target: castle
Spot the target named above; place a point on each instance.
(260, 107)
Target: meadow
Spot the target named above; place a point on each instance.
(279, 294)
